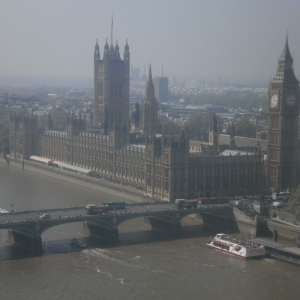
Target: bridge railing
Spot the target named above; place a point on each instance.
(38, 211)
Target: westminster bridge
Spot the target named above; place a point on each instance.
(25, 228)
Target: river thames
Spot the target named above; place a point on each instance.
(143, 266)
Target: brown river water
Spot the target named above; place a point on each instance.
(143, 266)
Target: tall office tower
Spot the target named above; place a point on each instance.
(111, 87)
(135, 73)
(161, 86)
(283, 119)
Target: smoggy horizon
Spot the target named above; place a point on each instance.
(193, 40)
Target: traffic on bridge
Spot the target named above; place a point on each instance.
(25, 228)
(108, 208)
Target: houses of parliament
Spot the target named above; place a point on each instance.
(130, 150)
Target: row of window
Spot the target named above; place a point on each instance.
(218, 184)
(222, 246)
(233, 171)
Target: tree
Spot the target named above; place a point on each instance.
(59, 120)
(198, 124)
(173, 127)
(246, 128)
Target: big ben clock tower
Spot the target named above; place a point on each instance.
(283, 118)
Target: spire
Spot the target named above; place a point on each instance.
(96, 46)
(106, 49)
(149, 113)
(126, 52)
(126, 46)
(285, 71)
(106, 46)
(286, 55)
(150, 74)
(149, 94)
(97, 52)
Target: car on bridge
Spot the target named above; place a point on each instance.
(3, 212)
(45, 216)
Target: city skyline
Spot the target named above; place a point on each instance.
(192, 40)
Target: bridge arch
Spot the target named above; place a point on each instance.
(106, 226)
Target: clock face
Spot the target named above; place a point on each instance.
(291, 100)
(274, 101)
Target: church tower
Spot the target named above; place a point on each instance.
(283, 116)
(149, 113)
(111, 87)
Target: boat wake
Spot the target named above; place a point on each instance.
(121, 280)
(135, 258)
(104, 254)
(106, 273)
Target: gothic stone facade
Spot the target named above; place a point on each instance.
(162, 166)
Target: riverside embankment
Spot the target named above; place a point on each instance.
(128, 193)
(131, 194)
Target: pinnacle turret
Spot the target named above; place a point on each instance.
(117, 46)
(106, 47)
(97, 46)
(126, 48)
(126, 52)
(117, 53)
(111, 48)
(97, 52)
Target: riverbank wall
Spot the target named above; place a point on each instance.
(245, 225)
(284, 229)
(127, 193)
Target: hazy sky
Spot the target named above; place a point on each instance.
(191, 38)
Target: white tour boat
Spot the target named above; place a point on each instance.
(239, 247)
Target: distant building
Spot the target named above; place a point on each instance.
(191, 85)
(73, 94)
(161, 87)
(53, 96)
(135, 73)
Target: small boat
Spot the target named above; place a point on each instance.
(238, 247)
(78, 243)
